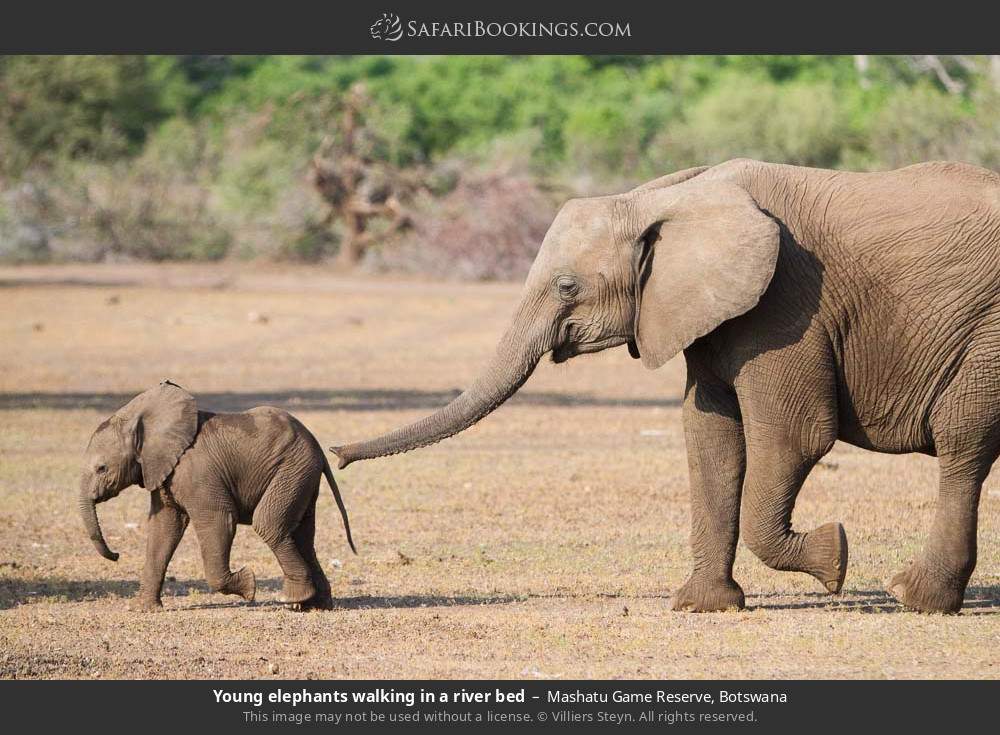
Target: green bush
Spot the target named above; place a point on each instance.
(800, 123)
(24, 234)
(920, 124)
(984, 144)
(76, 106)
(205, 157)
(260, 194)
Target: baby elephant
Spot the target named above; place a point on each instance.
(261, 467)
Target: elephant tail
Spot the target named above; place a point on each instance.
(340, 502)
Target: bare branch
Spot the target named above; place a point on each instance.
(933, 63)
(357, 187)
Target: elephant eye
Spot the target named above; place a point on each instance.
(566, 286)
(101, 469)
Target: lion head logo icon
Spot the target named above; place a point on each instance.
(387, 28)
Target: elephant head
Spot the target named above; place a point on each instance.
(654, 268)
(139, 444)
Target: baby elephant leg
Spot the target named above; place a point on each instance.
(165, 528)
(304, 537)
(277, 517)
(216, 530)
(298, 586)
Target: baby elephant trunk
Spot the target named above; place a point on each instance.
(88, 512)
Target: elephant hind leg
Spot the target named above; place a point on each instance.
(297, 586)
(278, 517)
(967, 436)
(304, 537)
(936, 580)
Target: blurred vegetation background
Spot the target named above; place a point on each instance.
(451, 166)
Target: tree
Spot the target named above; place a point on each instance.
(99, 107)
(359, 186)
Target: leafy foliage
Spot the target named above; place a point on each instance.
(168, 157)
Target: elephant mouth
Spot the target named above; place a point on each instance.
(567, 350)
(104, 495)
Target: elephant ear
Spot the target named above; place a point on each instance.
(677, 177)
(162, 424)
(706, 254)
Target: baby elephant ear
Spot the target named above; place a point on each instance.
(167, 423)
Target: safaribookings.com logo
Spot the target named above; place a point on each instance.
(387, 28)
(390, 28)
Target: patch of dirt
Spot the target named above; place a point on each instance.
(509, 551)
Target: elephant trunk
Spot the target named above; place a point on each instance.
(88, 512)
(513, 363)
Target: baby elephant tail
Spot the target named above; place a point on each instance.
(340, 502)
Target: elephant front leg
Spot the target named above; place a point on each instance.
(165, 529)
(777, 465)
(216, 530)
(716, 460)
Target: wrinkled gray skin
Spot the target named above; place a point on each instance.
(216, 470)
(811, 306)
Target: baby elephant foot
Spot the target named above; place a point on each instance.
(826, 555)
(320, 601)
(242, 583)
(145, 604)
(296, 591)
(317, 602)
(917, 588)
(698, 595)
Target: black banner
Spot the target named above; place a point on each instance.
(231, 706)
(450, 26)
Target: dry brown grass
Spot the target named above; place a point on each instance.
(544, 542)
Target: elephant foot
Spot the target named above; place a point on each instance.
(918, 589)
(826, 555)
(145, 604)
(317, 602)
(242, 583)
(296, 591)
(709, 596)
(322, 600)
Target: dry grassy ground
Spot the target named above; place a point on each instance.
(545, 542)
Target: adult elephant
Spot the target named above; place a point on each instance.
(811, 306)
